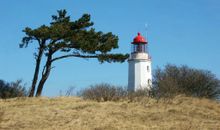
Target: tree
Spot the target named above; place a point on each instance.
(175, 80)
(64, 38)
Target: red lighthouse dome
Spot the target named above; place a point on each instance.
(139, 39)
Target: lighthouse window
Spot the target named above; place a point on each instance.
(148, 68)
(149, 81)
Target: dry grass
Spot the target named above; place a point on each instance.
(74, 113)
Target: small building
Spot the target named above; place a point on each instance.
(139, 73)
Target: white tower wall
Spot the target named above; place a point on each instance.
(140, 76)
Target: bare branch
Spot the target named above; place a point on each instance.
(74, 55)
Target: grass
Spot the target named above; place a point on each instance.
(78, 114)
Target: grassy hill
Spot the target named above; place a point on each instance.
(77, 114)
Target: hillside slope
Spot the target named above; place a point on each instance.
(77, 114)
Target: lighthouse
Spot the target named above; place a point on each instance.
(139, 65)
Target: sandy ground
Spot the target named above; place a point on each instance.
(77, 114)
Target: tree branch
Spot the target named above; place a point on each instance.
(43, 71)
(74, 55)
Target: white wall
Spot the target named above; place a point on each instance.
(138, 73)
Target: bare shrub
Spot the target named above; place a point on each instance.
(104, 92)
(13, 89)
(174, 80)
(167, 83)
(107, 92)
(70, 91)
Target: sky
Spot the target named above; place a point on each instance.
(179, 32)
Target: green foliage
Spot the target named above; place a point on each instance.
(112, 58)
(76, 37)
(174, 80)
(13, 89)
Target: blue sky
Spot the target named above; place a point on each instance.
(179, 32)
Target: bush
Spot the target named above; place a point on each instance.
(104, 92)
(107, 92)
(13, 89)
(175, 80)
(167, 83)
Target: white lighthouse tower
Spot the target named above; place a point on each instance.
(139, 75)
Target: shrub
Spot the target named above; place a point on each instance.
(104, 92)
(13, 89)
(174, 80)
(167, 83)
(107, 92)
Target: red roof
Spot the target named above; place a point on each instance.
(139, 39)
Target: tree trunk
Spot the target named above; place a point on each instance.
(45, 74)
(36, 71)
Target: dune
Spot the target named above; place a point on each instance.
(75, 113)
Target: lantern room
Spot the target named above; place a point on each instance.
(139, 44)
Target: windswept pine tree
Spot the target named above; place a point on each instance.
(67, 38)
